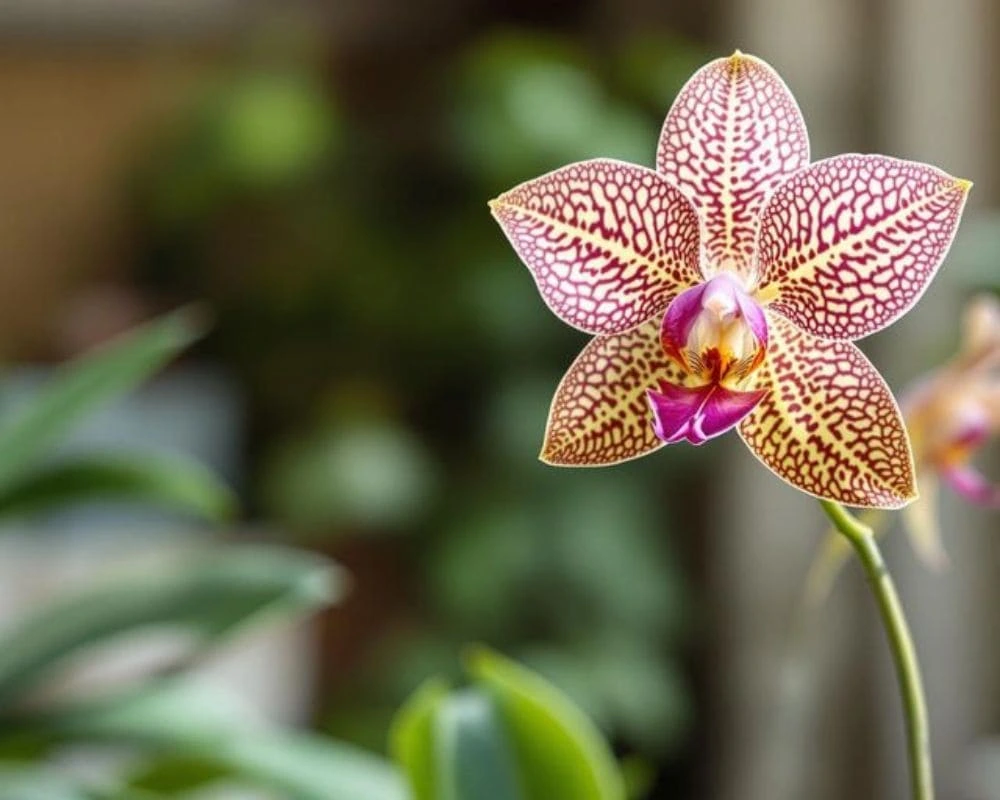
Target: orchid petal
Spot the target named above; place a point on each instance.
(972, 485)
(733, 134)
(755, 316)
(599, 414)
(681, 316)
(608, 243)
(700, 413)
(829, 425)
(848, 245)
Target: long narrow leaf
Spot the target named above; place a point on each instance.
(87, 383)
(171, 482)
(209, 597)
(29, 782)
(199, 734)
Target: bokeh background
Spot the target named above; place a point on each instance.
(379, 369)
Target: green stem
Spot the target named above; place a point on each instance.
(900, 641)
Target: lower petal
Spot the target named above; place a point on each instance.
(829, 424)
(972, 485)
(698, 414)
(599, 414)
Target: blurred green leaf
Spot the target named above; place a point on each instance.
(177, 774)
(411, 738)
(89, 382)
(472, 750)
(211, 597)
(642, 692)
(205, 735)
(166, 712)
(42, 782)
(172, 482)
(37, 783)
(530, 103)
(372, 473)
(625, 581)
(654, 67)
(487, 602)
(562, 756)
(274, 126)
(639, 775)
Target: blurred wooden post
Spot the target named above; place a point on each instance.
(784, 731)
(912, 80)
(937, 107)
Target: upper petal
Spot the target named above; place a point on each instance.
(847, 245)
(829, 425)
(599, 414)
(609, 243)
(732, 135)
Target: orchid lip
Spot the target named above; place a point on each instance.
(698, 414)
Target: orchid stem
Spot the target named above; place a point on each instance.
(904, 654)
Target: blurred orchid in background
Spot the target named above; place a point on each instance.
(950, 414)
(725, 288)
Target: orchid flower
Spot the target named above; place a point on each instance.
(950, 414)
(725, 287)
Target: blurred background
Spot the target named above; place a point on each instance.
(378, 372)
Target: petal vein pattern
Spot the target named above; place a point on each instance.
(849, 244)
(733, 134)
(829, 424)
(609, 243)
(599, 414)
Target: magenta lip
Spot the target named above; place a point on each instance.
(698, 414)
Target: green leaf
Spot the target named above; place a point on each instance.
(171, 482)
(19, 782)
(202, 735)
(639, 775)
(472, 750)
(301, 767)
(411, 738)
(561, 755)
(45, 783)
(87, 383)
(208, 593)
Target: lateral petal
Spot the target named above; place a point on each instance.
(599, 414)
(608, 243)
(733, 134)
(829, 424)
(849, 244)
